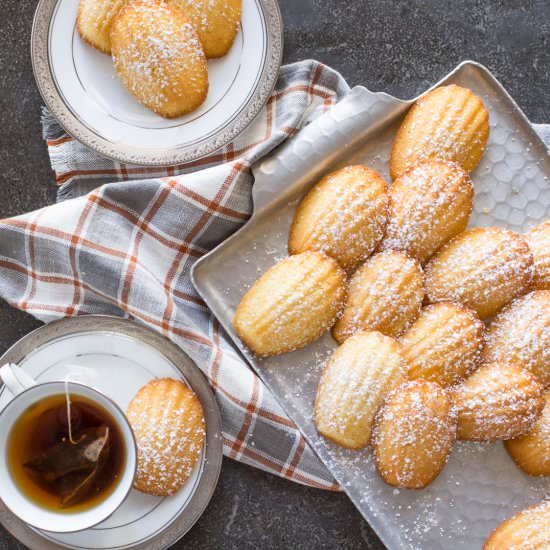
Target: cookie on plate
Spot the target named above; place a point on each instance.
(292, 304)
(483, 268)
(385, 294)
(344, 216)
(449, 122)
(217, 22)
(430, 203)
(538, 240)
(520, 334)
(414, 432)
(95, 20)
(527, 530)
(168, 423)
(356, 378)
(444, 344)
(158, 56)
(531, 451)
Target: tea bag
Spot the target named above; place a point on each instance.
(71, 467)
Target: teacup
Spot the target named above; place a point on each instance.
(26, 393)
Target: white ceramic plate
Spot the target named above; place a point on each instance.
(118, 357)
(81, 89)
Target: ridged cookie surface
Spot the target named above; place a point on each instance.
(430, 203)
(531, 452)
(292, 304)
(538, 240)
(95, 20)
(353, 385)
(527, 530)
(444, 344)
(385, 294)
(158, 56)
(498, 401)
(483, 268)
(168, 423)
(414, 432)
(343, 215)
(449, 122)
(520, 334)
(216, 21)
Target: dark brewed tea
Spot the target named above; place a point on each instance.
(66, 465)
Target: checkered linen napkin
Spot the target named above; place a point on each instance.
(127, 248)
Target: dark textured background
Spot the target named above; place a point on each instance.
(396, 46)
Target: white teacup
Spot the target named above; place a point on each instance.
(25, 392)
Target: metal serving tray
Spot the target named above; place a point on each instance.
(480, 486)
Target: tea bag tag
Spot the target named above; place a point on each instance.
(15, 378)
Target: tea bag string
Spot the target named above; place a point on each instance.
(68, 401)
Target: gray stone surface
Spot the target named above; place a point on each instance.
(387, 45)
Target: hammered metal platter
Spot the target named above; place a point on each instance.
(480, 486)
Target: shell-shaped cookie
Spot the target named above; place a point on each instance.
(385, 294)
(444, 344)
(520, 334)
(449, 122)
(217, 22)
(414, 432)
(483, 268)
(292, 304)
(531, 452)
(158, 56)
(168, 423)
(527, 530)
(538, 240)
(430, 203)
(353, 385)
(498, 401)
(344, 216)
(94, 21)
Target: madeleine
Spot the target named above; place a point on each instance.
(292, 304)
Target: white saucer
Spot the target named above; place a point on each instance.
(118, 357)
(80, 87)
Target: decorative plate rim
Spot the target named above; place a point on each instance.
(212, 462)
(137, 155)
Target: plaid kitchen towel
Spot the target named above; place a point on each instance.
(126, 248)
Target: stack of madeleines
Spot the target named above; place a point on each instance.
(160, 47)
(406, 289)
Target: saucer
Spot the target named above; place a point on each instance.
(118, 357)
(80, 87)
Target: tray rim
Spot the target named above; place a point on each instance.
(62, 112)
(236, 342)
(213, 458)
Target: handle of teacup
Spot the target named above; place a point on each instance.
(15, 378)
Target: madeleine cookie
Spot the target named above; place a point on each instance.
(483, 268)
(497, 401)
(292, 304)
(217, 22)
(430, 203)
(444, 344)
(527, 530)
(449, 122)
(520, 334)
(385, 294)
(538, 240)
(414, 432)
(168, 422)
(531, 451)
(354, 382)
(344, 216)
(158, 56)
(94, 21)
